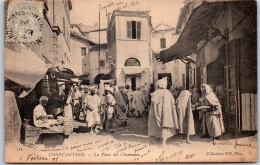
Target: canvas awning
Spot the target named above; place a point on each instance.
(201, 20)
(84, 76)
(66, 73)
(25, 69)
(133, 70)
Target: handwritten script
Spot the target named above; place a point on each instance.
(118, 5)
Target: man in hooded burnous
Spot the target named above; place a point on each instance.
(162, 120)
(212, 119)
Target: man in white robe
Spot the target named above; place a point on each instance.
(138, 103)
(162, 120)
(185, 115)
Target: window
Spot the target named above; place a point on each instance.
(163, 43)
(132, 62)
(83, 51)
(133, 29)
(102, 63)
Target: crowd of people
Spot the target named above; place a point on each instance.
(185, 112)
(169, 112)
(99, 109)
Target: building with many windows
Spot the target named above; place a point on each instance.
(129, 45)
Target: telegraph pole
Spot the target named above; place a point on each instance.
(99, 39)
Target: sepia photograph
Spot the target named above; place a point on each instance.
(130, 81)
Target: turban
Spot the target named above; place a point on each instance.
(43, 98)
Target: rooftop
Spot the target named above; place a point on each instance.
(87, 29)
(163, 27)
(79, 36)
(143, 14)
(130, 11)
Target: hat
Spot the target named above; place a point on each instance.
(43, 98)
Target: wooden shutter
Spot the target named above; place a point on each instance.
(138, 30)
(129, 29)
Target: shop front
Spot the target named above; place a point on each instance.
(133, 73)
(226, 51)
(133, 76)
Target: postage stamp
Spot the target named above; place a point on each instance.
(24, 22)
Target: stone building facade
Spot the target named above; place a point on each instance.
(129, 45)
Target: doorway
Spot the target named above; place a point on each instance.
(133, 83)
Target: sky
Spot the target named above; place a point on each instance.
(87, 11)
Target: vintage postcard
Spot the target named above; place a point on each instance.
(130, 81)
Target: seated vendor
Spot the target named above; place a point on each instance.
(40, 117)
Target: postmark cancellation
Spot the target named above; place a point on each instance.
(24, 21)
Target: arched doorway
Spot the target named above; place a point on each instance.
(102, 76)
(98, 78)
(106, 77)
(133, 70)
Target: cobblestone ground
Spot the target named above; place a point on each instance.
(131, 144)
(136, 133)
(137, 130)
